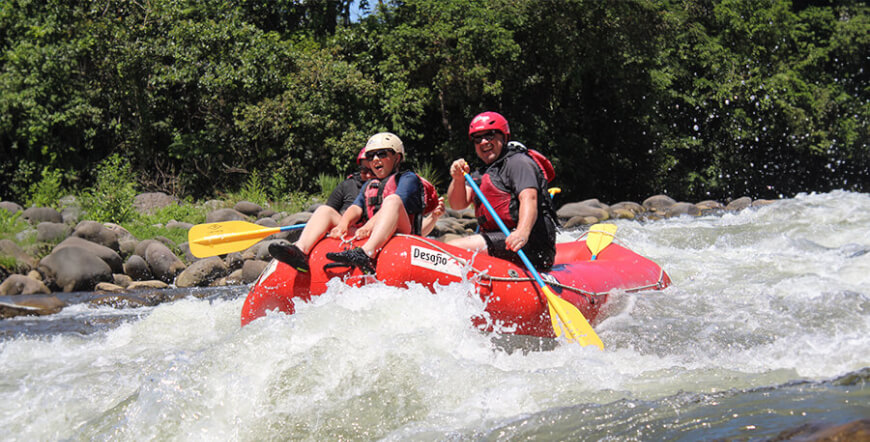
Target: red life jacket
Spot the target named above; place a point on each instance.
(505, 203)
(375, 193)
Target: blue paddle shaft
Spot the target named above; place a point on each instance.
(503, 228)
(293, 227)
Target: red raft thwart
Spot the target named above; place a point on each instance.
(512, 297)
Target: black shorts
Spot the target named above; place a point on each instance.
(541, 249)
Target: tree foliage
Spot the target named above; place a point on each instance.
(696, 98)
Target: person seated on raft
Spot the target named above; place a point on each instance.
(324, 218)
(393, 202)
(383, 154)
(515, 186)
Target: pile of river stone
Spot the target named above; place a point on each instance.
(122, 270)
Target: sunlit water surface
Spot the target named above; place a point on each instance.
(765, 328)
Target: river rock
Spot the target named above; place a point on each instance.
(682, 209)
(52, 232)
(173, 224)
(111, 257)
(108, 287)
(148, 203)
(857, 430)
(121, 232)
(22, 285)
(202, 273)
(658, 203)
(143, 246)
(222, 215)
(296, 218)
(119, 301)
(468, 212)
(30, 305)
(234, 278)
(708, 205)
(137, 269)
(266, 213)
(33, 274)
(11, 207)
(36, 215)
(71, 214)
(266, 222)
(127, 246)
(739, 204)
(73, 268)
(631, 206)
(187, 255)
(144, 285)
(25, 261)
(234, 261)
(621, 213)
(252, 269)
(759, 203)
(97, 233)
(581, 221)
(248, 208)
(447, 225)
(122, 279)
(582, 209)
(164, 265)
(594, 202)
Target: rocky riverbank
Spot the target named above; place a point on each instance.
(125, 271)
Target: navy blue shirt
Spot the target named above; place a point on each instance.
(409, 189)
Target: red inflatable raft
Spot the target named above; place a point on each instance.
(512, 297)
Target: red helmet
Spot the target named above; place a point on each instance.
(489, 121)
(361, 156)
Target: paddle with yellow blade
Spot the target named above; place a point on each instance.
(230, 236)
(553, 191)
(599, 237)
(573, 322)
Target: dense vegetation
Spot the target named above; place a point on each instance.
(698, 99)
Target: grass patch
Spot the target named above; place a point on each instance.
(327, 184)
(11, 224)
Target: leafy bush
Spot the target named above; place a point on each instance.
(47, 191)
(253, 190)
(111, 198)
(11, 224)
(188, 213)
(430, 173)
(293, 202)
(327, 184)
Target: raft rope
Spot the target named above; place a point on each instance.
(482, 274)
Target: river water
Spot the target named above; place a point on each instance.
(765, 329)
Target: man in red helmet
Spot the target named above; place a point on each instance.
(515, 185)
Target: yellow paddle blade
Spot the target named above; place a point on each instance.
(576, 326)
(554, 190)
(599, 237)
(221, 238)
(554, 318)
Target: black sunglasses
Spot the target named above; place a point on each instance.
(486, 136)
(380, 153)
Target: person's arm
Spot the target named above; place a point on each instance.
(459, 195)
(528, 214)
(430, 220)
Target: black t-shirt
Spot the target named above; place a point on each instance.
(345, 193)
